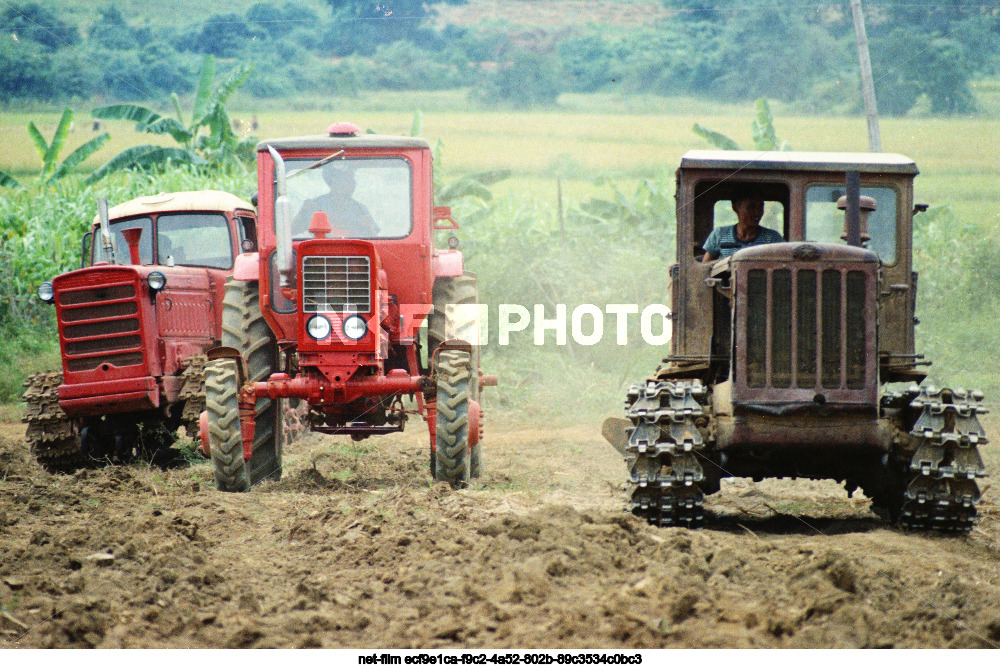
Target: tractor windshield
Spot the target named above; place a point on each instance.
(119, 244)
(825, 221)
(363, 198)
(186, 238)
(194, 240)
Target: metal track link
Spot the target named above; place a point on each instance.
(664, 471)
(940, 484)
(192, 393)
(54, 440)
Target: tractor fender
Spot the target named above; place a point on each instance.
(225, 352)
(447, 262)
(247, 267)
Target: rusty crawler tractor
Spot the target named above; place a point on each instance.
(783, 355)
(135, 324)
(329, 311)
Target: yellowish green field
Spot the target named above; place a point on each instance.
(590, 136)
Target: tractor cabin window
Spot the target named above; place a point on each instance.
(713, 207)
(363, 198)
(194, 240)
(119, 245)
(825, 220)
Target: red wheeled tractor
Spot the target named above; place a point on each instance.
(329, 310)
(135, 324)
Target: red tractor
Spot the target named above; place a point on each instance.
(135, 324)
(329, 310)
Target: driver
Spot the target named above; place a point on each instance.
(726, 240)
(347, 216)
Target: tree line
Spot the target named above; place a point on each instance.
(733, 50)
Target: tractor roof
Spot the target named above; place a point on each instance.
(883, 163)
(195, 200)
(337, 142)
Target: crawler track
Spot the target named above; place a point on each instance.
(663, 451)
(940, 490)
(53, 437)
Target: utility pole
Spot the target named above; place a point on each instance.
(867, 85)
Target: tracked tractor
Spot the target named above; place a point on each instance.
(796, 359)
(135, 324)
(328, 311)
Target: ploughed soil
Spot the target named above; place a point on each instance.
(357, 547)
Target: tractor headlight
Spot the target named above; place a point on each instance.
(355, 327)
(46, 293)
(156, 281)
(319, 327)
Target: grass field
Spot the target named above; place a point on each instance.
(589, 136)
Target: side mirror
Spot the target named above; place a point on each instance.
(440, 215)
(85, 248)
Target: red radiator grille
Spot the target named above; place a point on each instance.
(100, 325)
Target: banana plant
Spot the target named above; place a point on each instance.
(470, 192)
(53, 170)
(761, 129)
(206, 139)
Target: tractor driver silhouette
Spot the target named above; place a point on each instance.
(348, 217)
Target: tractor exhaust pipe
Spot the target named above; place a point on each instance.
(852, 214)
(282, 220)
(107, 247)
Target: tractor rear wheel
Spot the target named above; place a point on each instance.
(244, 328)
(452, 459)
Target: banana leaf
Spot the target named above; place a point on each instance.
(204, 94)
(8, 181)
(38, 140)
(56, 146)
(79, 155)
(145, 156)
(464, 187)
(716, 139)
(143, 117)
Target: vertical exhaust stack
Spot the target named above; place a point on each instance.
(856, 208)
(107, 247)
(852, 214)
(282, 220)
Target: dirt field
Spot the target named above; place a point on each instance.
(357, 547)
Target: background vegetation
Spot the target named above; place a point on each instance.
(517, 52)
(586, 215)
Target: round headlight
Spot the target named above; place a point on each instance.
(46, 293)
(318, 327)
(156, 281)
(355, 327)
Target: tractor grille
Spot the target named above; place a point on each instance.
(100, 325)
(337, 284)
(805, 328)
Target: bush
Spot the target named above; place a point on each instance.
(529, 80)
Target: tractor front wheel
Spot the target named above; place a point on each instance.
(244, 328)
(452, 459)
(222, 394)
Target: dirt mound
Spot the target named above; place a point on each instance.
(357, 547)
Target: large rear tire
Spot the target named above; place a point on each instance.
(452, 459)
(244, 328)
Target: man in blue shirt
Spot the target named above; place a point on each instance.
(726, 240)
